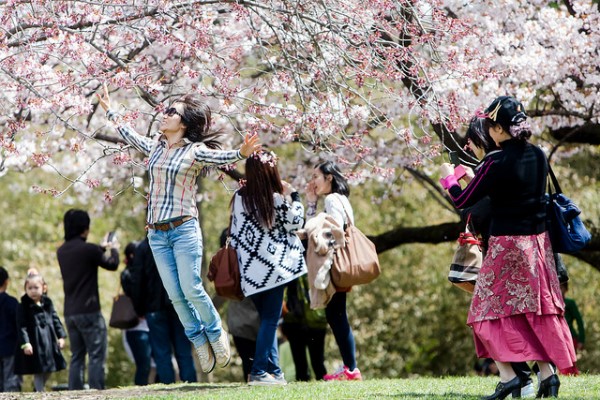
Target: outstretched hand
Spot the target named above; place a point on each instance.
(250, 145)
(104, 99)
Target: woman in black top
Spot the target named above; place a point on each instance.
(517, 311)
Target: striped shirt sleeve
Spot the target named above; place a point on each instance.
(204, 155)
(141, 143)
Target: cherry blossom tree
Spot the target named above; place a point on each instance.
(382, 87)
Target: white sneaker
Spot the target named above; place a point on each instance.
(206, 357)
(528, 390)
(279, 378)
(265, 379)
(221, 349)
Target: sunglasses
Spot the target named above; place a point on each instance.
(169, 112)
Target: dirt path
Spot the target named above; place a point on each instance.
(132, 392)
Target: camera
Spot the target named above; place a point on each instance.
(459, 170)
(111, 237)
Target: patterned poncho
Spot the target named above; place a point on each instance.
(268, 257)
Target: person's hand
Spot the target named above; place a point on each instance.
(579, 346)
(28, 349)
(287, 188)
(61, 343)
(250, 145)
(112, 244)
(311, 192)
(469, 174)
(104, 100)
(446, 169)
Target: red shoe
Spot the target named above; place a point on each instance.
(344, 374)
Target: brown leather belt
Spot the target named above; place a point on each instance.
(169, 225)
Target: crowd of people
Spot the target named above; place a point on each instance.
(517, 312)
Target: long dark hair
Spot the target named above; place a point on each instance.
(339, 184)
(197, 119)
(262, 181)
(479, 135)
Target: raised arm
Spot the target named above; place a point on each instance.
(141, 143)
(205, 155)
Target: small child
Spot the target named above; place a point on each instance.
(9, 381)
(41, 334)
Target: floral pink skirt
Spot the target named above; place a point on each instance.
(517, 308)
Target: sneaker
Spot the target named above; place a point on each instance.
(344, 374)
(221, 349)
(527, 389)
(280, 378)
(206, 357)
(265, 379)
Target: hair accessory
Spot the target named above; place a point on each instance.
(516, 129)
(480, 113)
(267, 157)
(493, 115)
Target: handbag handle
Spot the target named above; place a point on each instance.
(553, 180)
(231, 205)
(345, 211)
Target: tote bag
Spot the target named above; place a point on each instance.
(567, 232)
(122, 315)
(466, 262)
(357, 262)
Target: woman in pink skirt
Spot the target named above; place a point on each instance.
(517, 309)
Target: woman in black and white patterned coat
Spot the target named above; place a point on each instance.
(269, 253)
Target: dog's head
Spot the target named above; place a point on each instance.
(325, 233)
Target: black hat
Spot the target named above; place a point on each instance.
(507, 111)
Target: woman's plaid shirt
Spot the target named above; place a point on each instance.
(173, 171)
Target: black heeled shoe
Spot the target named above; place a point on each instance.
(549, 387)
(503, 389)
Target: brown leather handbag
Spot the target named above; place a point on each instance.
(357, 262)
(123, 315)
(224, 271)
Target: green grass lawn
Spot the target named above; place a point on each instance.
(581, 387)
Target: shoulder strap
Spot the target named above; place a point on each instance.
(553, 180)
(339, 197)
(231, 206)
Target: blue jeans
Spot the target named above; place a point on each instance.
(338, 321)
(268, 304)
(166, 333)
(139, 343)
(178, 256)
(87, 335)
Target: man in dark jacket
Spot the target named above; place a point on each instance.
(9, 381)
(79, 262)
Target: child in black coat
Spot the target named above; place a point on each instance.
(41, 334)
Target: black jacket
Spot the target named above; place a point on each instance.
(41, 327)
(142, 283)
(79, 262)
(515, 181)
(8, 324)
